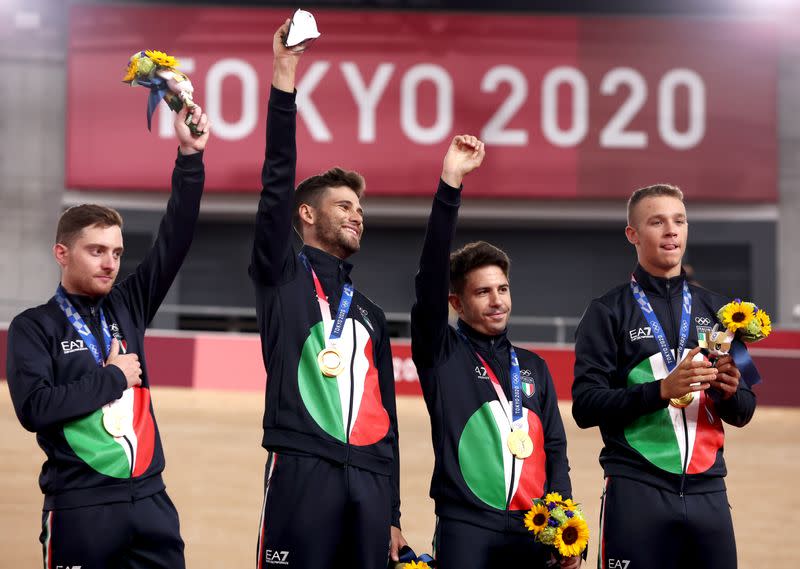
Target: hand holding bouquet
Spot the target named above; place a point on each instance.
(158, 72)
(558, 523)
(737, 317)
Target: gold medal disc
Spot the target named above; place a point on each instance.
(330, 361)
(520, 444)
(116, 421)
(681, 402)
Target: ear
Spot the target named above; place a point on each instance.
(61, 254)
(632, 235)
(306, 213)
(455, 302)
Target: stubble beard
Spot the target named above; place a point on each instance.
(339, 242)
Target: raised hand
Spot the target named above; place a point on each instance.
(191, 144)
(128, 363)
(284, 66)
(688, 372)
(464, 155)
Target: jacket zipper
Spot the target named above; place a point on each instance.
(352, 389)
(509, 494)
(97, 331)
(683, 411)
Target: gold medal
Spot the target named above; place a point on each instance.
(116, 421)
(330, 361)
(683, 401)
(520, 444)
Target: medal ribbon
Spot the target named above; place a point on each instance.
(344, 303)
(655, 326)
(81, 327)
(516, 419)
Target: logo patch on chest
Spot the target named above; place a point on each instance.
(365, 316)
(70, 346)
(703, 333)
(640, 333)
(119, 337)
(528, 384)
(481, 374)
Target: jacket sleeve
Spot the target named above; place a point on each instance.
(38, 402)
(146, 288)
(386, 382)
(555, 441)
(738, 409)
(272, 239)
(596, 401)
(432, 283)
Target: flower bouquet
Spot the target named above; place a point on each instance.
(159, 72)
(737, 317)
(558, 523)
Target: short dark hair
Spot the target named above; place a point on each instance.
(77, 218)
(474, 256)
(311, 190)
(652, 191)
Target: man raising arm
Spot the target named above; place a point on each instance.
(330, 424)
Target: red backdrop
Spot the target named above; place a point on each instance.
(570, 107)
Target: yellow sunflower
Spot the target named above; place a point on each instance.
(736, 315)
(572, 537)
(130, 73)
(536, 518)
(161, 59)
(764, 321)
(553, 497)
(569, 505)
(415, 565)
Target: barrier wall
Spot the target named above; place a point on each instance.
(233, 362)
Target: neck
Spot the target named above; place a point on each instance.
(71, 290)
(665, 273)
(327, 247)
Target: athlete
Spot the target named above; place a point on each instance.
(659, 403)
(498, 438)
(330, 426)
(78, 379)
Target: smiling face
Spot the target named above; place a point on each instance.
(659, 231)
(485, 302)
(89, 266)
(336, 224)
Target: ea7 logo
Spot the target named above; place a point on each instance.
(276, 557)
(69, 346)
(480, 372)
(68, 567)
(618, 563)
(640, 333)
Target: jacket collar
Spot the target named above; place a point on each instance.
(659, 286)
(85, 305)
(482, 342)
(329, 268)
